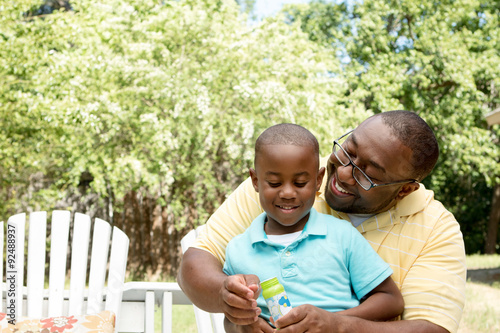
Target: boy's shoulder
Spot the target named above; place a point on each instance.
(246, 236)
(330, 220)
(332, 227)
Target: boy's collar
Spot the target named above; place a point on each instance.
(312, 227)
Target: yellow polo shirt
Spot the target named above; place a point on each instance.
(418, 238)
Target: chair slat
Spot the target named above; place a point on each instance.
(99, 259)
(15, 230)
(58, 257)
(132, 318)
(79, 263)
(203, 320)
(150, 312)
(217, 322)
(117, 270)
(37, 234)
(166, 315)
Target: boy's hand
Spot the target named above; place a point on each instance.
(239, 294)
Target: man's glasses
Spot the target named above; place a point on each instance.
(361, 178)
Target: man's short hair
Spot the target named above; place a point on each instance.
(416, 134)
(286, 134)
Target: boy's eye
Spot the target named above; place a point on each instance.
(301, 184)
(274, 184)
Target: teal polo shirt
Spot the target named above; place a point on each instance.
(330, 265)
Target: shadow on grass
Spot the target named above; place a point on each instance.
(484, 275)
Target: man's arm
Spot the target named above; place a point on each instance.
(202, 280)
(307, 318)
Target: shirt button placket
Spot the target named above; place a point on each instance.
(288, 263)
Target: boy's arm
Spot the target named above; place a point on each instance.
(384, 302)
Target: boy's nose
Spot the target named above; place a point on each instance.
(287, 192)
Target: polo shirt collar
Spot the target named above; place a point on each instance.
(409, 205)
(312, 227)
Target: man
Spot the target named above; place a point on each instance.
(374, 175)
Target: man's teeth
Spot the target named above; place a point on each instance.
(340, 189)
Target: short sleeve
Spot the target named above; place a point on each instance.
(434, 288)
(366, 268)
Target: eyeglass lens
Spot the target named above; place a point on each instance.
(345, 160)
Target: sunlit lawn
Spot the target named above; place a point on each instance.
(183, 319)
(482, 308)
(481, 313)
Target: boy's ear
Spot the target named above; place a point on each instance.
(255, 180)
(319, 179)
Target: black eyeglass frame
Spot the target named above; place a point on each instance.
(355, 167)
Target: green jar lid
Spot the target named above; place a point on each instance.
(269, 282)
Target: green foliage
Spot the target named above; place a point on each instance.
(166, 99)
(437, 58)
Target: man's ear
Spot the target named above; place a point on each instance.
(407, 189)
(255, 180)
(319, 179)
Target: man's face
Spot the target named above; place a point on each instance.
(287, 179)
(382, 157)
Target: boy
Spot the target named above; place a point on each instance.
(320, 260)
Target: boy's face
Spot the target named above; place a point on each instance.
(287, 179)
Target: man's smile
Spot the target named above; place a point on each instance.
(337, 189)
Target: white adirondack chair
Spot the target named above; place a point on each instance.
(140, 301)
(33, 299)
(205, 321)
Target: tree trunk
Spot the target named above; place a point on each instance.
(491, 236)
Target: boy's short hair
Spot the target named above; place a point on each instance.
(287, 134)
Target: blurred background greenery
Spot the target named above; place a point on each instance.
(144, 113)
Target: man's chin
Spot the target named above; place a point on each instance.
(348, 209)
(343, 209)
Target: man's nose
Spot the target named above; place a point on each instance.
(344, 174)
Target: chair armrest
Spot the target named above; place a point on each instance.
(136, 291)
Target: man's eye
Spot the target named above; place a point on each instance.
(351, 154)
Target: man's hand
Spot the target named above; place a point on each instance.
(310, 319)
(260, 326)
(307, 318)
(239, 294)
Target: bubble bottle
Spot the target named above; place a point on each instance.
(276, 298)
